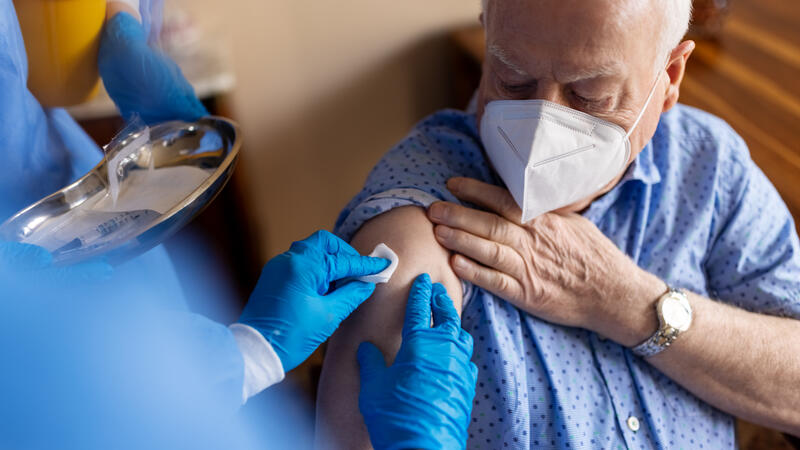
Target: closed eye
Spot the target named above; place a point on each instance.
(591, 103)
(583, 99)
(517, 88)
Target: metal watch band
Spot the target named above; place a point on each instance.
(656, 343)
(663, 337)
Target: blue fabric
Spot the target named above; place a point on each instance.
(87, 365)
(34, 155)
(692, 209)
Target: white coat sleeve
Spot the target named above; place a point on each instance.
(262, 367)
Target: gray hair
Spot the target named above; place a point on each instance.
(677, 15)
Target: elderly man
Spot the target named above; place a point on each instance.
(640, 284)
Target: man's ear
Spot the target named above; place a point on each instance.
(675, 71)
(480, 19)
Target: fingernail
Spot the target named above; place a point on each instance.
(460, 262)
(443, 232)
(437, 211)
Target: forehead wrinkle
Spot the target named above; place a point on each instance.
(565, 76)
(499, 53)
(605, 70)
(597, 31)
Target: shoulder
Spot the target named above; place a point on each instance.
(697, 133)
(415, 171)
(444, 141)
(710, 164)
(699, 149)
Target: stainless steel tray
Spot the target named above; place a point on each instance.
(171, 144)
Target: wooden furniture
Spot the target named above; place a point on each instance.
(748, 75)
(751, 78)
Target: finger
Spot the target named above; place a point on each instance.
(370, 361)
(467, 342)
(445, 315)
(498, 283)
(329, 243)
(473, 371)
(91, 271)
(480, 223)
(466, 339)
(418, 309)
(486, 252)
(346, 298)
(20, 256)
(345, 266)
(491, 197)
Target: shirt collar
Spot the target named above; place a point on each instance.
(643, 168)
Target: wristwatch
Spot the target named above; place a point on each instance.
(674, 317)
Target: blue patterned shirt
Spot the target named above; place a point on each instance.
(692, 209)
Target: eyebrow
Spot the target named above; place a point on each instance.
(608, 69)
(499, 53)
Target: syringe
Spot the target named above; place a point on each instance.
(106, 228)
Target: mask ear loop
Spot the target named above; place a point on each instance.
(647, 102)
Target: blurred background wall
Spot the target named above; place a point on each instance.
(322, 89)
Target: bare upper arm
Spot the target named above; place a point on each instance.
(379, 320)
(409, 233)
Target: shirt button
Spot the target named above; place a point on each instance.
(633, 423)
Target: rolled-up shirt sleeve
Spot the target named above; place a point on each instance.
(415, 171)
(754, 260)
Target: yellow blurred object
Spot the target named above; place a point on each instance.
(62, 38)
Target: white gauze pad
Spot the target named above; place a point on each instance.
(382, 251)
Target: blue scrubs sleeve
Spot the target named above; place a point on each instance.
(34, 161)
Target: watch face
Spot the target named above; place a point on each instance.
(676, 314)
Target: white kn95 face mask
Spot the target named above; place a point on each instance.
(549, 155)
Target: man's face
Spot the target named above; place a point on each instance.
(597, 57)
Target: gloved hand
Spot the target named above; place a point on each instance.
(424, 399)
(294, 306)
(25, 263)
(142, 80)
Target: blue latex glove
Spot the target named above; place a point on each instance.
(424, 399)
(294, 306)
(30, 263)
(142, 80)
